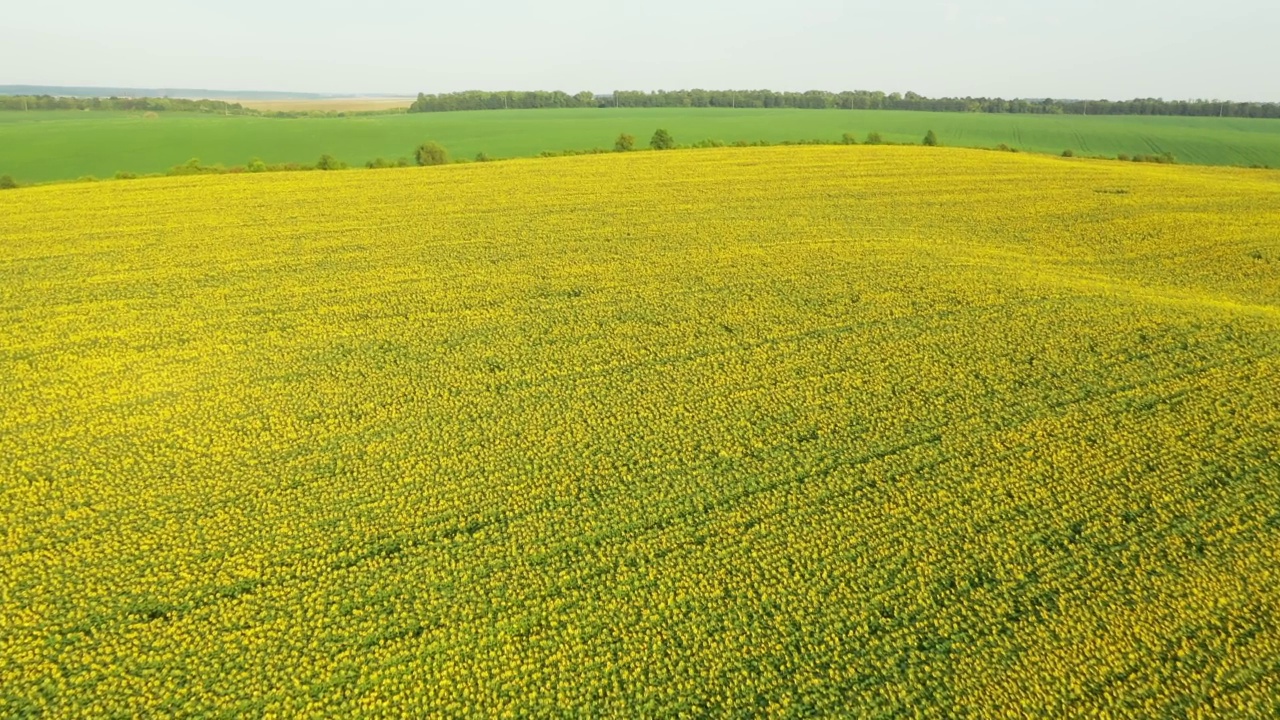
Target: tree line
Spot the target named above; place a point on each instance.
(19, 103)
(53, 102)
(824, 100)
(811, 100)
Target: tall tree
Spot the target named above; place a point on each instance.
(431, 153)
(662, 140)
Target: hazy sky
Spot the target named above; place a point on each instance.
(1027, 48)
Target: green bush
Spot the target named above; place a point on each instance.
(190, 167)
(1068, 153)
(431, 153)
(848, 139)
(1164, 158)
(931, 139)
(874, 139)
(624, 143)
(7, 183)
(662, 140)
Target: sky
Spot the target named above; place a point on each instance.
(1115, 49)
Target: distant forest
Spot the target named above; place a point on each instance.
(51, 102)
(823, 100)
(163, 104)
(812, 100)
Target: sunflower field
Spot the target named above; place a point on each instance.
(791, 431)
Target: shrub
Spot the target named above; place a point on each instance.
(1068, 153)
(190, 167)
(481, 157)
(931, 139)
(256, 166)
(874, 139)
(7, 183)
(1164, 158)
(1122, 157)
(431, 153)
(662, 140)
(624, 143)
(848, 139)
(193, 167)
(329, 162)
(126, 175)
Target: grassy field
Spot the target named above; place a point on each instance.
(58, 146)
(785, 431)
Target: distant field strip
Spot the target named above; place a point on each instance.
(805, 431)
(43, 146)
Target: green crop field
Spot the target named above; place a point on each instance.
(47, 146)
